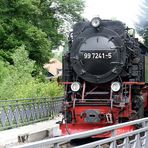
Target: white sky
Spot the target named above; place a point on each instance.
(124, 10)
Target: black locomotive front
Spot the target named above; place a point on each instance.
(99, 52)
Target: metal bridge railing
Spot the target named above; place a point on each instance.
(135, 139)
(15, 113)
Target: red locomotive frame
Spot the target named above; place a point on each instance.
(109, 112)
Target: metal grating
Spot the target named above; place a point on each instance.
(14, 113)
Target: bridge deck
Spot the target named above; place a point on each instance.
(29, 133)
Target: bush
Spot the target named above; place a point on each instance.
(16, 80)
(38, 89)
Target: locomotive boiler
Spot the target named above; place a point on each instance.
(105, 76)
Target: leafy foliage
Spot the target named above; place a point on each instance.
(35, 24)
(17, 81)
(29, 30)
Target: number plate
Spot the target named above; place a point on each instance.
(96, 55)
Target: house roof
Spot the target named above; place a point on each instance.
(54, 67)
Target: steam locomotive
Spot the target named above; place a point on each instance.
(105, 73)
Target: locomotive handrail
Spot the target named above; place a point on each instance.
(134, 83)
(67, 138)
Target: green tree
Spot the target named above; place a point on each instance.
(36, 24)
(29, 30)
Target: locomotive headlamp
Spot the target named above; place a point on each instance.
(75, 86)
(115, 86)
(95, 22)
